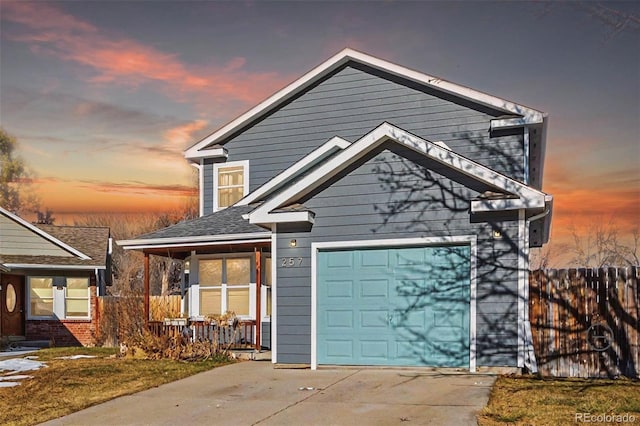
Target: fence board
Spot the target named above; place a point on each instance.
(569, 306)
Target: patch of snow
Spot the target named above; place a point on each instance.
(8, 384)
(76, 357)
(19, 365)
(15, 377)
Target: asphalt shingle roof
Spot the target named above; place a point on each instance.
(228, 221)
(93, 242)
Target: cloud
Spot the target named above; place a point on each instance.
(182, 135)
(94, 196)
(117, 60)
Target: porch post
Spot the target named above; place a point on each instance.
(258, 294)
(146, 290)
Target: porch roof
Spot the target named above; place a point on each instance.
(224, 226)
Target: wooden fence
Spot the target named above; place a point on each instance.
(115, 312)
(586, 322)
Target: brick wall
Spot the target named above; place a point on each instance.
(65, 332)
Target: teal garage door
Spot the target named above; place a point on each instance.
(394, 306)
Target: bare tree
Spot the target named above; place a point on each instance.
(600, 244)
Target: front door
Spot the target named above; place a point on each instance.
(12, 305)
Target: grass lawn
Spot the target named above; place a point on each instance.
(536, 401)
(67, 386)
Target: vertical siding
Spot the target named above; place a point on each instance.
(390, 197)
(351, 103)
(17, 240)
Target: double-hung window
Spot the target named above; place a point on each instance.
(40, 297)
(77, 298)
(225, 285)
(58, 297)
(230, 183)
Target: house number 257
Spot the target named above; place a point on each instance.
(290, 262)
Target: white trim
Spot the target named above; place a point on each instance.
(470, 240)
(44, 234)
(334, 144)
(42, 266)
(522, 281)
(526, 155)
(195, 239)
(506, 204)
(507, 123)
(245, 178)
(340, 59)
(281, 217)
(211, 153)
(200, 168)
(200, 244)
(274, 295)
(381, 134)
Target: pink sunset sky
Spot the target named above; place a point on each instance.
(104, 96)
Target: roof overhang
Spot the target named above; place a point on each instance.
(528, 115)
(57, 267)
(197, 241)
(522, 196)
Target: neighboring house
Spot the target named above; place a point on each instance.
(369, 214)
(49, 279)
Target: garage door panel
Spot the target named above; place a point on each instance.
(374, 288)
(415, 319)
(374, 350)
(406, 306)
(336, 319)
(374, 319)
(374, 258)
(340, 350)
(339, 259)
(339, 289)
(410, 351)
(410, 256)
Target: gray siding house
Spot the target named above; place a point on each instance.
(369, 214)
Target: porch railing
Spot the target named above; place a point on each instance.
(240, 335)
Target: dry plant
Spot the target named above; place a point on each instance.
(127, 265)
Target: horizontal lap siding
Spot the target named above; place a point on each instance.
(353, 208)
(350, 104)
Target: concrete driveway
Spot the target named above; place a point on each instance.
(251, 393)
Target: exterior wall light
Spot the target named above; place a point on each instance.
(293, 243)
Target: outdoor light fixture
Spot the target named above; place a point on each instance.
(293, 243)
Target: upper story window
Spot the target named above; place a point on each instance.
(230, 183)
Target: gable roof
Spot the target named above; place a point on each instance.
(315, 157)
(91, 242)
(34, 229)
(524, 115)
(525, 196)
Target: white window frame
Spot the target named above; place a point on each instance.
(88, 316)
(224, 287)
(217, 166)
(30, 316)
(59, 299)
